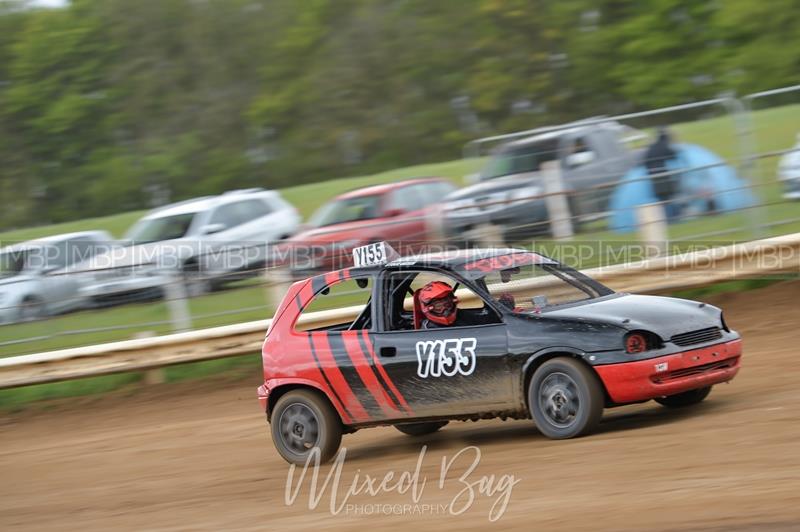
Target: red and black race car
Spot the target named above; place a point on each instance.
(532, 338)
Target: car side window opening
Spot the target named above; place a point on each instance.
(82, 248)
(58, 255)
(161, 228)
(346, 210)
(522, 159)
(578, 153)
(353, 294)
(230, 215)
(400, 313)
(434, 192)
(405, 199)
(253, 209)
(527, 282)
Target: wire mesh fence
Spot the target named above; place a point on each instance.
(602, 198)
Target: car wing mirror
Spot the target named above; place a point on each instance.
(580, 158)
(391, 213)
(210, 229)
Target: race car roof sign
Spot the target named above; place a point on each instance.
(373, 254)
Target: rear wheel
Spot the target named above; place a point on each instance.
(420, 429)
(565, 398)
(692, 397)
(301, 421)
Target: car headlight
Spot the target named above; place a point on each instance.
(525, 193)
(641, 341)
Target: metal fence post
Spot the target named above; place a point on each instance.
(556, 200)
(178, 303)
(652, 220)
(278, 281)
(743, 120)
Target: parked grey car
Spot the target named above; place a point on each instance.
(588, 155)
(199, 243)
(35, 277)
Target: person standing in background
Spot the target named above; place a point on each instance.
(655, 160)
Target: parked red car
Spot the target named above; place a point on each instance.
(398, 213)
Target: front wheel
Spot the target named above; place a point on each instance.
(31, 309)
(420, 429)
(301, 421)
(565, 398)
(692, 397)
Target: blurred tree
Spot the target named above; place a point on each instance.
(60, 103)
(17, 182)
(115, 105)
(762, 43)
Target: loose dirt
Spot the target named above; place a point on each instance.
(198, 456)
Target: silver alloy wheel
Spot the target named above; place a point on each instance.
(299, 428)
(559, 399)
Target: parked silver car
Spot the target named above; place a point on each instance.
(199, 243)
(35, 278)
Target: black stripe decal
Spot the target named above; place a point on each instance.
(359, 387)
(333, 390)
(317, 283)
(298, 301)
(377, 373)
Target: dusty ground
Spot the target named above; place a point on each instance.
(197, 456)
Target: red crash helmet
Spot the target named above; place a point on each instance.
(438, 302)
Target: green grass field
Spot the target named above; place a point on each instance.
(774, 129)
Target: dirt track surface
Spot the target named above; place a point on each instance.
(198, 456)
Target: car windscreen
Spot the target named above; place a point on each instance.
(521, 160)
(32, 259)
(528, 282)
(12, 263)
(347, 210)
(162, 228)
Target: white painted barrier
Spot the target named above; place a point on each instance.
(757, 258)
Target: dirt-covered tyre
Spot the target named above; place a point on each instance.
(692, 397)
(565, 398)
(302, 420)
(420, 429)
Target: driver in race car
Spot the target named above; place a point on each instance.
(439, 306)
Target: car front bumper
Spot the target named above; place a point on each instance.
(631, 382)
(263, 397)
(518, 219)
(8, 313)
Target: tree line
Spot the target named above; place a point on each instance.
(113, 105)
